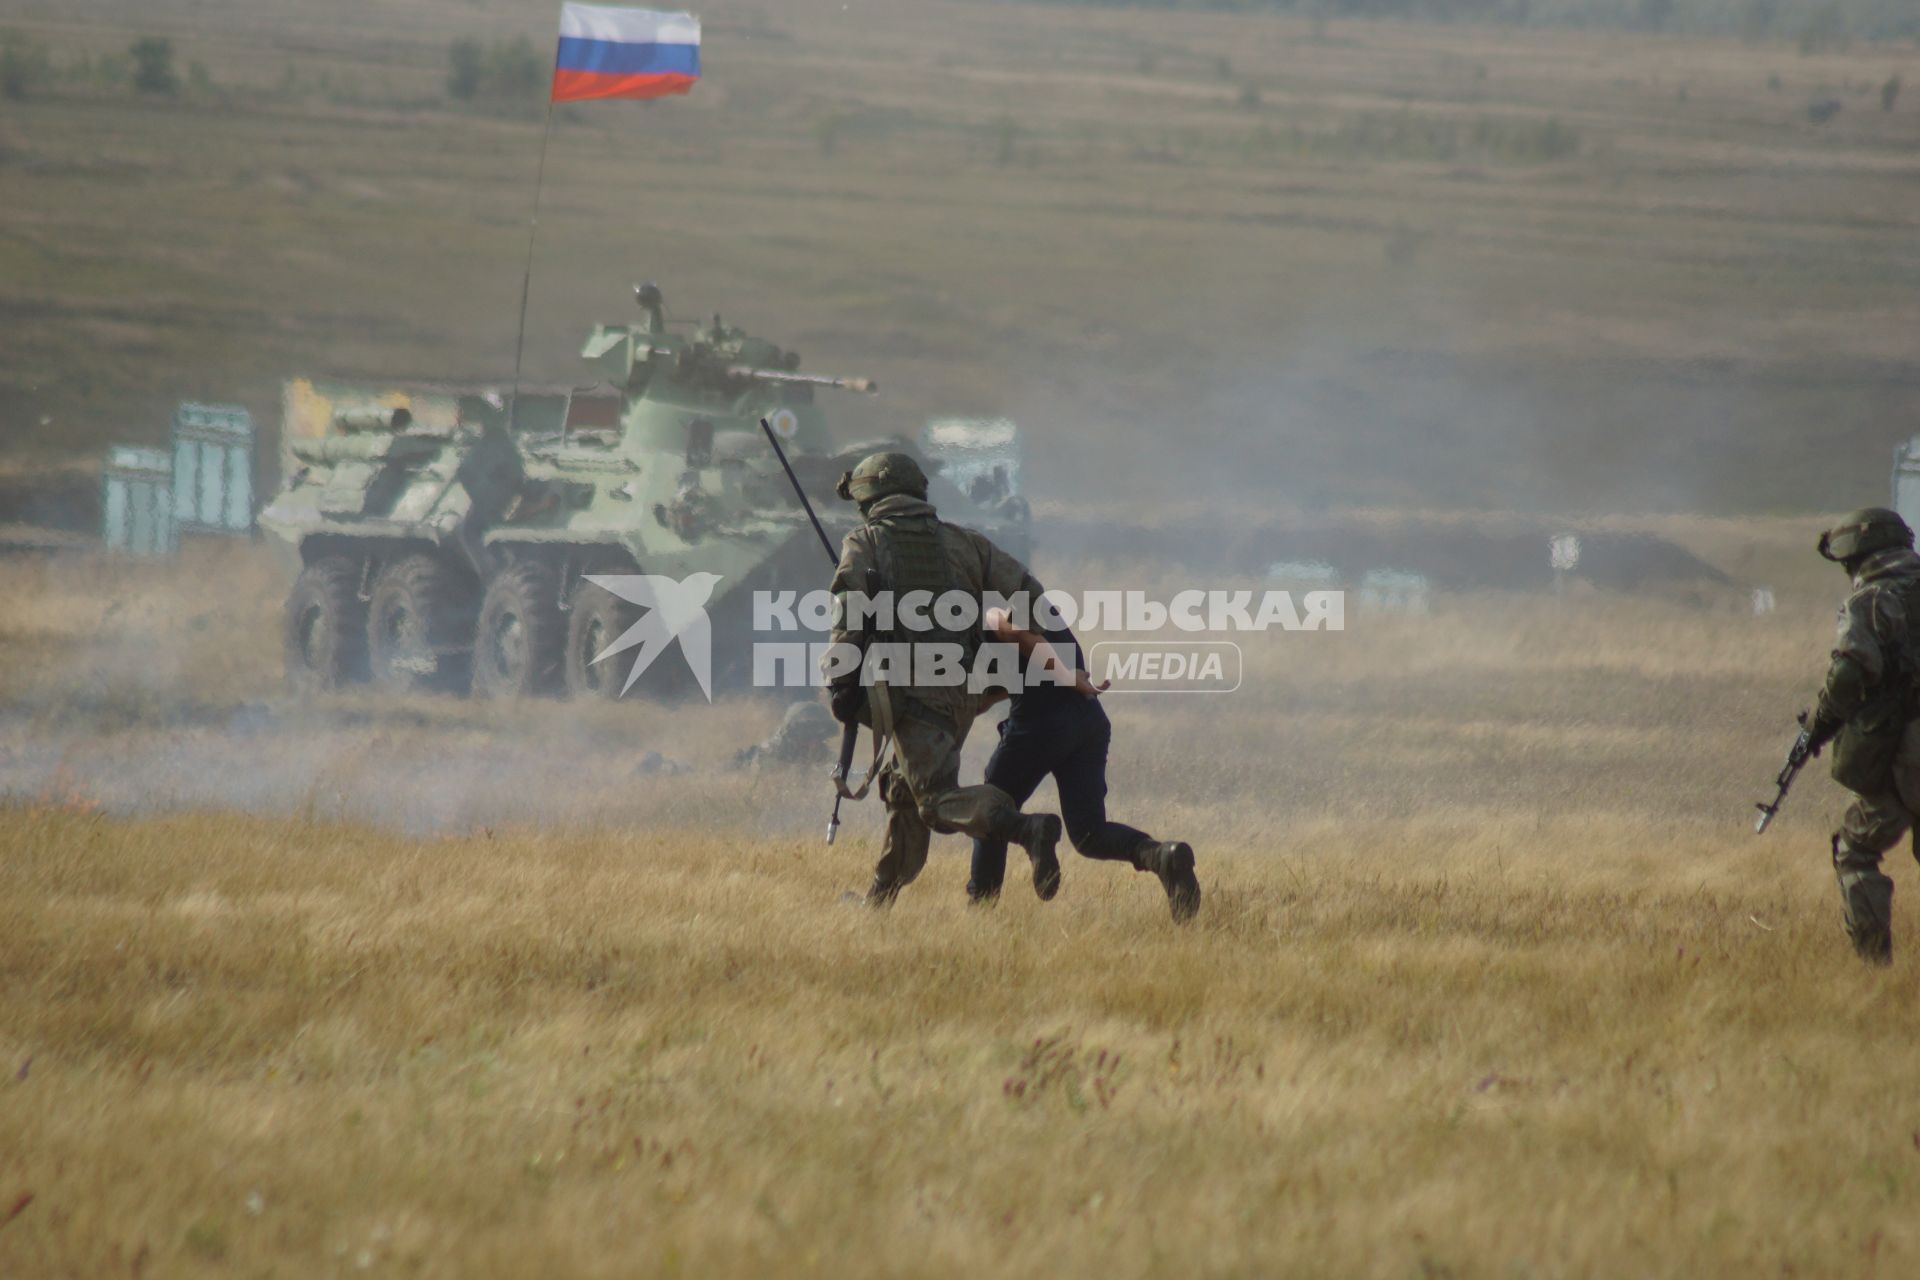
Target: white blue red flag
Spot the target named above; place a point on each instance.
(624, 53)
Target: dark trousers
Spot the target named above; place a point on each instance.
(1066, 736)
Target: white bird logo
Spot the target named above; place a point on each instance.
(676, 608)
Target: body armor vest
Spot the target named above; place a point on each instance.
(913, 557)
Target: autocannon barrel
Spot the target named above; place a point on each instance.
(355, 421)
(807, 379)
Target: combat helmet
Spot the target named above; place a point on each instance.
(882, 474)
(1864, 532)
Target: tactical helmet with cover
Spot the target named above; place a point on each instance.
(1864, 532)
(881, 475)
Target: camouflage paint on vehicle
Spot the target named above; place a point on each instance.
(455, 531)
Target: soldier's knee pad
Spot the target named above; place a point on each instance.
(1874, 822)
(1849, 856)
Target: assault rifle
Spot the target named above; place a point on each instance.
(1798, 754)
(849, 734)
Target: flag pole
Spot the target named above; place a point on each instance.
(526, 279)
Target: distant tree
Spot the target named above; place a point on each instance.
(24, 65)
(1824, 29)
(1653, 15)
(1890, 92)
(514, 70)
(153, 65)
(1005, 131)
(508, 71)
(466, 63)
(827, 128)
(114, 70)
(1756, 20)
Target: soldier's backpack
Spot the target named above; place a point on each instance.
(1864, 749)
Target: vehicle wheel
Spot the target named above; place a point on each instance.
(520, 634)
(325, 636)
(597, 618)
(420, 626)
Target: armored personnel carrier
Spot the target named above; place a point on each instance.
(453, 549)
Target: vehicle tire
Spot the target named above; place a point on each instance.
(596, 619)
(520, 634)
(324, 639)
(420, 626)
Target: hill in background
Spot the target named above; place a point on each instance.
(1196, 253)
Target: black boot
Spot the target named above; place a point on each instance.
(1038, 834)
(1173, 863)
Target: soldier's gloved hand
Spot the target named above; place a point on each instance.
(1821, 730)
(847, 701)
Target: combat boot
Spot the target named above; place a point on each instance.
(1038, 834)
(1866, 901)
(1173, 863)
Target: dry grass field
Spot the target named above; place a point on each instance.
(1440, 1046)
(1491, 977)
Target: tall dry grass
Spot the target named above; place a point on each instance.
(1445, 1046)
(1491, 977)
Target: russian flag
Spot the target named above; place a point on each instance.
(624, 53)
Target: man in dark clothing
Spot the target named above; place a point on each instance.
(1054, 727)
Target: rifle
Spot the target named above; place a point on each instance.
(849, 734)
(1798, 754)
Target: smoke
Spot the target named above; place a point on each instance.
(135, 685)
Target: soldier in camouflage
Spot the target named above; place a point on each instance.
(902, 547)
(1866, 710)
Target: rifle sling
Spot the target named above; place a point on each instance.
(880, 707)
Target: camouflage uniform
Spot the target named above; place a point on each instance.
(904, 546)
(1864, 708)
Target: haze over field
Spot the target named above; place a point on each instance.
(1356, 262)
